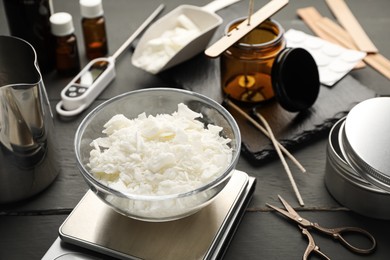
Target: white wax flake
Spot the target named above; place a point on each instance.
(333, 61)
(159, 155)
(160, 50)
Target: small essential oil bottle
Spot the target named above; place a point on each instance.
(94, 28)
(66, 51)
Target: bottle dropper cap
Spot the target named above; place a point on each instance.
(61, 24)
(91, 8)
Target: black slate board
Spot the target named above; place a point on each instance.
(293, 130)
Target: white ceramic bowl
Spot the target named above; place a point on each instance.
(156, 101)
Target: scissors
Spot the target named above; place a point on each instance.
(336, 233)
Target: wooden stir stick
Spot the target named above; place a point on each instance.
(244, 28)
(344, 15)
(325, 29)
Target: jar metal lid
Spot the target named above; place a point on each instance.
(295, 79)
(338, 153)
(366, 141)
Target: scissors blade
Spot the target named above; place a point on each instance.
(288, 207)
(282, 211)
(291, 213)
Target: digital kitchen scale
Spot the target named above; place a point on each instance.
(95, 231)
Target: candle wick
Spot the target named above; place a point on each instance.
(251, 6)
(246, 80)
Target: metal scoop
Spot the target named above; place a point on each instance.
(204, 18)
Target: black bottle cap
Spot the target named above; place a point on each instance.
(295, 79)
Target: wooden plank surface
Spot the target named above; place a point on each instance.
(28, 228)
(261, 235)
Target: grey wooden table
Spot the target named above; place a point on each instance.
(28, 228)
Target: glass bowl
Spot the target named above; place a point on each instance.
(153, 101)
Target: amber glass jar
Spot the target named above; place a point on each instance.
(246, 66)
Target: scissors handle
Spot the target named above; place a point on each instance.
(340, 233)
(311, 246)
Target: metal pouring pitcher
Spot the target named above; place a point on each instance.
(28, 159)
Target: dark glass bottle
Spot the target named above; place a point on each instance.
(94, 28)
(66, 50)
(29, 20)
